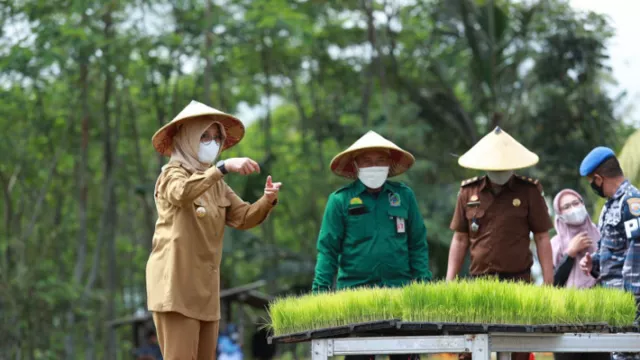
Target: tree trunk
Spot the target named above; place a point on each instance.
(160, 114)
(81, 171)
(208, 44)
(142, 178)
(110, 216)
(267, 226)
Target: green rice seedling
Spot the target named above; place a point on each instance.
(486, 301)
(345, 307)
(619, 307)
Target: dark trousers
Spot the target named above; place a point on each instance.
(391, 357)
(582, 356)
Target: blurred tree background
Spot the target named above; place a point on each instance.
(85, 84)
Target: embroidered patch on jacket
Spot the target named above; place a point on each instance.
(394, 200)
(355, 201)
(634, 206)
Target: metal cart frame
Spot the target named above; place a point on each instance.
(479, 345)
(388, 337)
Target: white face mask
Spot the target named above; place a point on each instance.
(499, 177)
(208, 152)
(576, 216)
(373, 177)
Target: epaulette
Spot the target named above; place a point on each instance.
(528, 180)
(471, 181)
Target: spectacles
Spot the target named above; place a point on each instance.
(206, 139)
(574, 203)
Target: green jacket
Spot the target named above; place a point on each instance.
(359, 239)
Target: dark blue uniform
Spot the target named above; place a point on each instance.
(618, 256)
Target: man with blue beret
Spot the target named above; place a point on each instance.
(617, 261)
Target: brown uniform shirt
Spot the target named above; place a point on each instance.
(183, 271)
(500, 243)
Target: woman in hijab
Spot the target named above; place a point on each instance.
(194, 204)
(576, 235)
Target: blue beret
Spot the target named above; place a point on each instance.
(596, 157)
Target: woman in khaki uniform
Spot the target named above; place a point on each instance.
(194, 204)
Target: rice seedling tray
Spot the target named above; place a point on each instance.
(470, 307)
(400, 328)
(624, 329)
(335, 331)
(432, 328)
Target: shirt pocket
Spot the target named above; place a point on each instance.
(614, 245)
(222, 205)
(360, 225)
(207, 210)
(396, 215)
(477, 213)
(202, 210)
(398, 239)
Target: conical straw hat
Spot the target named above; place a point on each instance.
(343, 163)
(162, 140)
(498, 151)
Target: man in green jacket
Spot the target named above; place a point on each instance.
(372, 232)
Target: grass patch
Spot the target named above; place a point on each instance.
(485, 301)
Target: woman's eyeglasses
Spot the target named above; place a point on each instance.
(206, 138)
(574, 203)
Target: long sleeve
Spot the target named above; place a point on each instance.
(631, 265)
(242, 215)
(562, 263)
(329, 246)
(563, 270)
(417, 238)
(179, 187)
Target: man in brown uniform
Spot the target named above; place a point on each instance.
(495, 214)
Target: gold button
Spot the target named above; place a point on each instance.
(200, 211)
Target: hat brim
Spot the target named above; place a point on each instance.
(234, 129)
(498, 151)
(343, 164)
(497, 163)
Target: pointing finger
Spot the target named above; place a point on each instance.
(269, 183)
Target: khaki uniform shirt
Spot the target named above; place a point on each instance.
(500, 241)
(183, 268)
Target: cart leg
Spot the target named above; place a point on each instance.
(319, 350)
(480, 347)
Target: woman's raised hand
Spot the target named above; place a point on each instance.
(243, 166)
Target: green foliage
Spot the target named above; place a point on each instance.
(477, 301)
